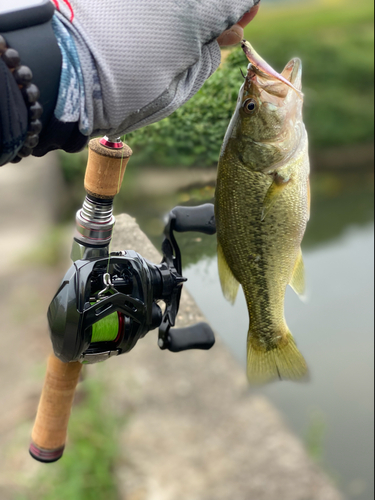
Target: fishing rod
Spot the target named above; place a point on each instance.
(107, 301)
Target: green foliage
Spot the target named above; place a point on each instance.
(335, 43)
(339, 201)
(194, 133)
(73, 166)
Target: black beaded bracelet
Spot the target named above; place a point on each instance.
(30, 92)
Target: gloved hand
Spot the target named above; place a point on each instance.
(125, 64)
(129, 63)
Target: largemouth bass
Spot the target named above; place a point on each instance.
(262, 206)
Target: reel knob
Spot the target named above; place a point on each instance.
(199, 336)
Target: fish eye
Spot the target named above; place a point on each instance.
(249, 106)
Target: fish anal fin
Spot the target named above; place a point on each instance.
(298, 282)
(229, 284)
(274, 192)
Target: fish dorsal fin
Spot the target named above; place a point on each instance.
(298, 278)
(273, 194)
(229, 284)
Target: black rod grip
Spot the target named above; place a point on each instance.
(200, 219)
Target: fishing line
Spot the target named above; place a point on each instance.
(107, 329)
(118, 190)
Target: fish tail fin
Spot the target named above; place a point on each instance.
(283, 361)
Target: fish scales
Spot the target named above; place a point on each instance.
(261, 210)
(253, 249)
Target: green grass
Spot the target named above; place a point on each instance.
(335, 42)
(50, 250)
(301, 17)
(315, 436)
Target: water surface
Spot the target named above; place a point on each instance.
(334, 331)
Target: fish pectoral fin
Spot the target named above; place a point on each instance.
(229, 284)
(298, 282)
(308, 199)
(273, 194)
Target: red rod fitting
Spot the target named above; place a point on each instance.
(104, 141)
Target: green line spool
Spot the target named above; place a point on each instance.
(107, 329)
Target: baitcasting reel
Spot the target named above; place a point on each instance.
(108, 301)
(105, 305)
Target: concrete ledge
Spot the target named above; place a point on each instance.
(196, 432)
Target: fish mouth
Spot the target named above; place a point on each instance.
(293, 73)
(269, 80)
(264, 84)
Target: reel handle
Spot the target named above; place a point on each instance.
(200, 219)
(51, 423)
(199, 336)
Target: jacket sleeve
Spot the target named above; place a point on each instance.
(138, 61)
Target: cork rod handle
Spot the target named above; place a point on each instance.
(105, 169)
(51, 424)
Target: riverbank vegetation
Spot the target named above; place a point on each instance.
(334, 41)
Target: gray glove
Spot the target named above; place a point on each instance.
(129, 63)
